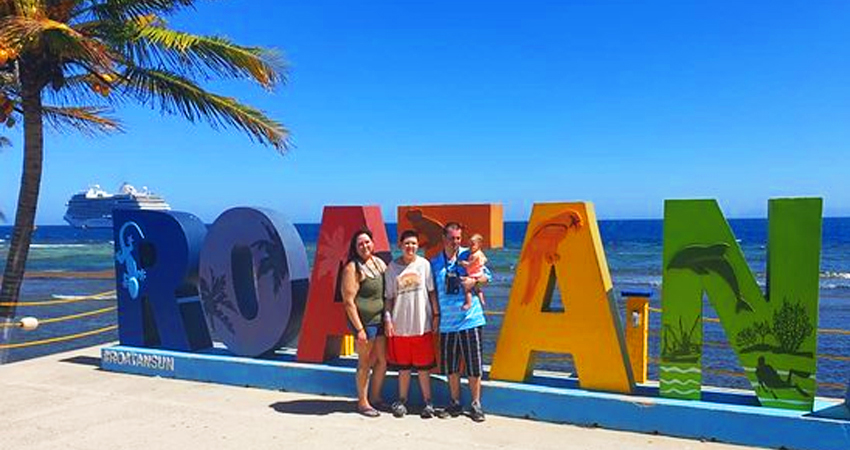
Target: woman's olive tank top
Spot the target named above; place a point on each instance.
(370, 296)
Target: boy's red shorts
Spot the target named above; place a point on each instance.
(411, 352)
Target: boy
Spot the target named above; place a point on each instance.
(411, 316)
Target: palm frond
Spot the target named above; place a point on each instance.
(189, 53)
(26, 8)
(61, 40)
(6, 8)
(174, 94)
(63, 10)
(119, 50)
(77, 90)
(122, 9)
(88, 120)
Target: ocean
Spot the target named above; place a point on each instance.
(633, 249)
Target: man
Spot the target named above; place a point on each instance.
(460, 329)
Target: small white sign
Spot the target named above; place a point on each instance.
(126, 358)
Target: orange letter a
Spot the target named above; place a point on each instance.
(562, 246)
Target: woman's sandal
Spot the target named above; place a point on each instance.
(368, 412)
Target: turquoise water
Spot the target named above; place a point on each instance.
(633, 250)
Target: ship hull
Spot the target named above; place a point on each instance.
(89, 223)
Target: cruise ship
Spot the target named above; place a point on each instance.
(93, 207)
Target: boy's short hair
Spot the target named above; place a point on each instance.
(476, 238)
(406, 234)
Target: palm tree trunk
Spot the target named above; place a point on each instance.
(19, 246)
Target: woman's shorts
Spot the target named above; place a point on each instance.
(411, 352)
(372, 331)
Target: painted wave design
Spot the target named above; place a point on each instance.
(679, 369)
(681, 382)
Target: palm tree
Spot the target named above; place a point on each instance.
(102, 53)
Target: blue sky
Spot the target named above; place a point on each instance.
(622, 104)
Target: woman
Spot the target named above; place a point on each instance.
(363, 296)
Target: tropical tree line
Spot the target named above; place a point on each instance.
(69, 63)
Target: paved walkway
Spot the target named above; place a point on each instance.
(65, 401)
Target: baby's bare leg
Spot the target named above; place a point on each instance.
(468, 302)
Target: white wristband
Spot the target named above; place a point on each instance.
(387, 316)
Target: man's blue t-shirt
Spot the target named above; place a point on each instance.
(453, 317)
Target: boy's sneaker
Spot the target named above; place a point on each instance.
(399, 410)
(454, 409)
(428, 411)
(476, 412)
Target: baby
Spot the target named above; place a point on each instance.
(474, 267)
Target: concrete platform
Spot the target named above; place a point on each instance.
(65, 401)
(723, 416)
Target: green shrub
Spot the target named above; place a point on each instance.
(791, 326)
(746, 338)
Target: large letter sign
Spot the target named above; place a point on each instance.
(252, 273)
(253, 280)
(562, 247)
(156, 269)
(325, 320)
(774, 335)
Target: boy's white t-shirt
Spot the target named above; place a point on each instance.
(408, 285)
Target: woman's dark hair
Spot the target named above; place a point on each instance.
(352, 246)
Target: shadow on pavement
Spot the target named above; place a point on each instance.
(84, 360)
(315, 407)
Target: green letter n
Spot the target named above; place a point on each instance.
(774, 335)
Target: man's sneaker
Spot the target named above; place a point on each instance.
(454, 409)
(476, 413)
(428, 411)
(399, 410)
